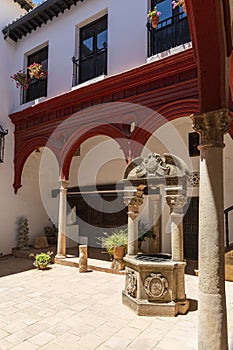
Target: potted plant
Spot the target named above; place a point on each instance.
(36, 71)
(143, 233)
(51, 232)
(176, 3)
(21, 79)
(116, 243)
(154, 17)
(42, 260)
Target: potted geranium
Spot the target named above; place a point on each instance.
(176, 3)
(154, 17)
(21, 79)
(36, 71)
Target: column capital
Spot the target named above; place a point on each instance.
(211, 126)
(176, 203)
(133, 207)
(63, 183)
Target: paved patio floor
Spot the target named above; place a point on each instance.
(62, 309)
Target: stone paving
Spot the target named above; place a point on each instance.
(62, 309)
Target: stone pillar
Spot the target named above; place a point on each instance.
(133, 201)
(156, 222)
(176, 204)
(132, 231)
(82, 258)
(61, 239)
(212, 319)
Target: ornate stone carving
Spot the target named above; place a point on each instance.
(194, 179)
(176, 203)
(211, 126)
(155, 285)
(131, 282)
(155, 166)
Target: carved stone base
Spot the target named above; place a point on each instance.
(154, 288)
(148, 308)
(118, 264)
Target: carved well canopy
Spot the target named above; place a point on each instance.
(155, 166)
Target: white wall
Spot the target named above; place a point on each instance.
(101, 161)
(127, 42)
(12, 206)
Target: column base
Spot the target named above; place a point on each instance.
(60, 256)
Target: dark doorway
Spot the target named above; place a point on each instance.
(190, 224)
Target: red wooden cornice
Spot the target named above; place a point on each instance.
(168, 86)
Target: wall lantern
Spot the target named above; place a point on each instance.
(2, 142)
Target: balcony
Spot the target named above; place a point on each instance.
(171, 32)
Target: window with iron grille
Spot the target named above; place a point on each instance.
(172, 30)
(93, 50)
(37, 87)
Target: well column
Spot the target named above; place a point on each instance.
(133, 200)
(61, 239)
(212, 320)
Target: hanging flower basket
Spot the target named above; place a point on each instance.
(154, 17)
(21, 79)
(36, 71)
(176, 3)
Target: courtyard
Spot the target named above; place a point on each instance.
(60, 308)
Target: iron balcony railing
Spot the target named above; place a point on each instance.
(89, 67)
(171, 32)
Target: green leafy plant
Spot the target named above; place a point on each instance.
(118, 238)
(42, 260)
(154, 12)
(143, 232)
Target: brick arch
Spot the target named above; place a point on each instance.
(22, 155)
(79, 136)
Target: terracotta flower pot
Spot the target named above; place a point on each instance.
(184, 7)
(154, 21)
(119, 252)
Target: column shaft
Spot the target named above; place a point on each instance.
(132, 233)
(61, 240)
(177, 237)
(212, 325)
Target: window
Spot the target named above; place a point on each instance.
(172, 28)
(93, 50)
(37, 87)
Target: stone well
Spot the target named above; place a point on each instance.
(154, 284)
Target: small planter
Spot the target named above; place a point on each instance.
(183, 7)
(154, 21)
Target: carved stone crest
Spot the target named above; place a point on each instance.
(131, 282)
(155, 285)
(155, 166)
